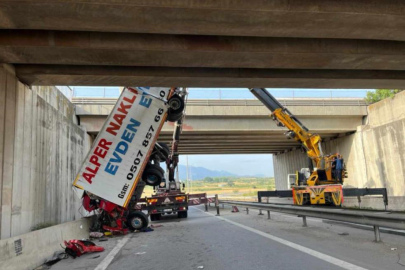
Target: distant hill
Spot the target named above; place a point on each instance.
(197, 173)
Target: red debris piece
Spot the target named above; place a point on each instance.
(77, 248)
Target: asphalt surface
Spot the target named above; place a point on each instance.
(240, 241)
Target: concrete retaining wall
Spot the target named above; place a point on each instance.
(374, 155)
(41, 147)
(27, 251)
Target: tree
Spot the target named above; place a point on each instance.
(380, 94)
(231, 183)
(208, 179)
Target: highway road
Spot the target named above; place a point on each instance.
(239, 241)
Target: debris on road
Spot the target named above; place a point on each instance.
(57, 256)
(393, 249)
(343, 233)
(76, 248)
(95, 257)
(147, 229)
(102, 239)
(96, 234)
(140, 253)
(200, 267)
(156, 225)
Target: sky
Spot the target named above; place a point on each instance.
(237, 164)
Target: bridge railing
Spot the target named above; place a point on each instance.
(231, 93)
(238, 102)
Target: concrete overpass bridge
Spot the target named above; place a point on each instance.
(212, 43)
(240, 126)
(237, 43)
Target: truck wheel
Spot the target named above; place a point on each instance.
(137, 220)
(175, 111)
(173, 117)
(165, 150)
(153, 175)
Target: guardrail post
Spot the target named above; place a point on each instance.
(206, 207)
(268, 214)
(359, 201)
(260, 212)
(304, 221)
(377, 234)
(247, 211)
(217, 204)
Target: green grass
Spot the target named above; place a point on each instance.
(242, 186)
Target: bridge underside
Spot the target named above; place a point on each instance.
(248, 142)
(251, 142)
(240, 126)
(214, 43)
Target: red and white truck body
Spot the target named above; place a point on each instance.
(114, 165)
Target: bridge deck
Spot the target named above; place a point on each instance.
(240, 126)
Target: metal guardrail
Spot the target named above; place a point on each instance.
(377, 219)
(241, 102)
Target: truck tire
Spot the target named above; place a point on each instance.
(137, 220)
(165, 151)
(173, 117)
(175, 111)
(153, 175)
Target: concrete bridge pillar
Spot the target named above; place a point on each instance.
(41, 147)
(8, 112)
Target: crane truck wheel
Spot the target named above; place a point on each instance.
(137, 220)
(153, 175)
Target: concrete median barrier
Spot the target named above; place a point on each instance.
(27, 251)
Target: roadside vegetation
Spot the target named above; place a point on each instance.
(235, 187)
(380, 94)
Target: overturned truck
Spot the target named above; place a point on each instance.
(125, 157)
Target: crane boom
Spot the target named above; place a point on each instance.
(296, 129)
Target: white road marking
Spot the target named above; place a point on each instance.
(316, 254)
(110, 257)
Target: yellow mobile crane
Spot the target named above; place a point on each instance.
(321, 185)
